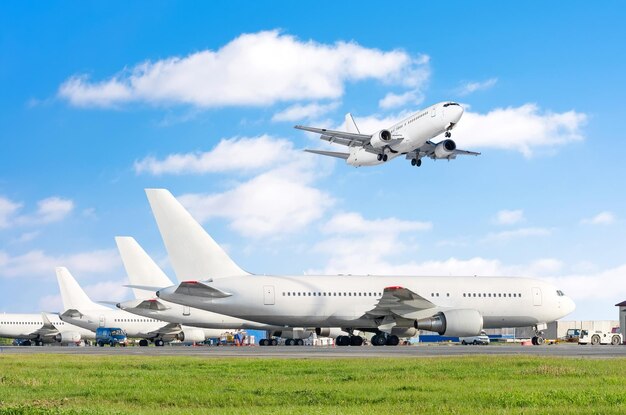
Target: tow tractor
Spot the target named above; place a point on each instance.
(613, 337)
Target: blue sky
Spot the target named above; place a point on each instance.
(100, 101)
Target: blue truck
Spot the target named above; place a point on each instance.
(111, 336)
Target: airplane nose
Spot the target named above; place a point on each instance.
(568, 305)
(459, 113)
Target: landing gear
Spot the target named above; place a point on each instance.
(448, 134)
(143, 343)
(382, 157)
(342, 341)
(356, 341)
(26, 343)
(538, 339)
(263, 342)
(299, 342)
(38, 343)
(159, 343)
(416, 162)
(379, 340)
(289, 342)
(393, 340)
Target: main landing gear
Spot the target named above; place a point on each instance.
(349, 341)
(381, 339)
(294, 342)
(416, 162)
(382, 157)
(268, 342)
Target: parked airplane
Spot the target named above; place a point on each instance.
(41, 328)
(199, 254)
(82, 312)
(389, 306)
(410, 137)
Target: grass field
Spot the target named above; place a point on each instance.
(31, 384)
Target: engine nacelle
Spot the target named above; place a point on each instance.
(330, 332)
(65, 337)
(463, 322)
(292, 333)
(445, 149)
(380, 139)
(191, 336)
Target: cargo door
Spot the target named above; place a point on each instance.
(268, 295)
(536, 296)
(102, 321)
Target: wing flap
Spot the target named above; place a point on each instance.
(363, 138)
(329, 153)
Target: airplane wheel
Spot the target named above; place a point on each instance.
(463, 342)
(300, 342)
(448, 134)
(263, 342)
(413, 162)
(418, 163)
(143, 343)
(379, 157)
(385, 157)
(289, 342)
(274, 342)
(356, 341)
(379, 340)
(393, 340)
(540, 340)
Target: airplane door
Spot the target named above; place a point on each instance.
(433, 111)
(186, 310)
(536, 296)
(268, 295)
(102, 322)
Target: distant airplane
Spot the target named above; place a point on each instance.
(388, 306)
(82, 312)
(41, 328)
(410, 137)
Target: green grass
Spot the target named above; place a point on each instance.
(31, 384)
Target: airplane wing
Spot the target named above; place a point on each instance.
(329, 153)
(167, 331)
(397, 303)
(428, 150)
(47, 330)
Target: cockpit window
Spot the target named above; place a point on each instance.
(560, 293)
(447, 104)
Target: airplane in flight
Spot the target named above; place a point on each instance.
(411, 137)
(199, 254)
(144, 273)
(81, 311)
(388, 306)
(39, 329)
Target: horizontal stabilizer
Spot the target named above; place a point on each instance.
(200, 289)
(329, 153)
(144, 287)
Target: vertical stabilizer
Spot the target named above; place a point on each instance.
(140, 268)
(73, 296)
(351, 125)
(192, 251)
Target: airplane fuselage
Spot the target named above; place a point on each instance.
(344, 301)
(23, 326)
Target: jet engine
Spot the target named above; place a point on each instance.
(462, 322)
(66, 337)
(191, 336)
(329, 332)
(380, 139)
(445, 149)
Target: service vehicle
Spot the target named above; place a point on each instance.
(111, 336)
(482, 338)
(599, 337)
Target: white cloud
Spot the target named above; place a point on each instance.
(354, 223)
(254, 69)
(277, 202)
(509, 217)
(8, 208)
(470, 87)
(26, 237)
(299, 112)
(523, 129)
(607, 285)
(52, 209)
(37, 263)
(602, 218)
(518, 233)
(392, 100)
(232, 154)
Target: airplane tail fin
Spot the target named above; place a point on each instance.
(73, 296)
(351, 126)
(140, 268)
(194, 254)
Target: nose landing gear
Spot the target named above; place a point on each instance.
(448, 134)
(416, 162)
(382, 157)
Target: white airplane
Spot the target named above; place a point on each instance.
(389, 306)
(41, 328)
(410, 137)
(81, 311)
(199, 254)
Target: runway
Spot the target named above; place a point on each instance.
(309, 352)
